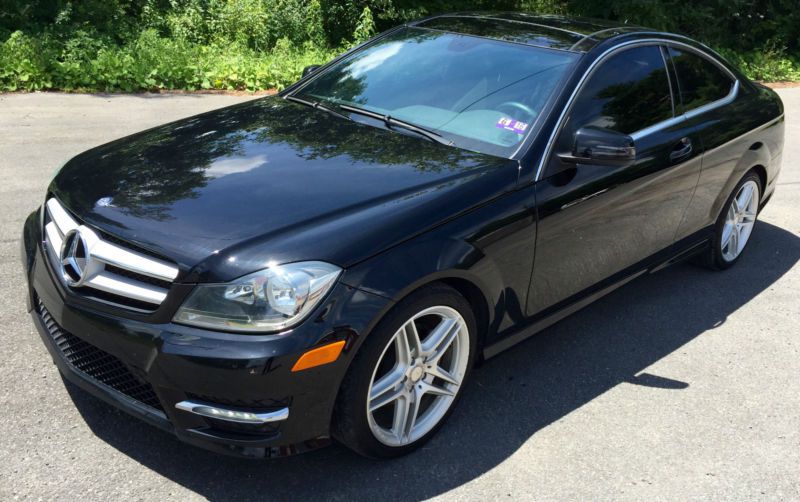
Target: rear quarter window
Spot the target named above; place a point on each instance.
(701, 82)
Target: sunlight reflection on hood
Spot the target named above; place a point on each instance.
(235, 165)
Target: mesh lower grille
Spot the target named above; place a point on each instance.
(98, 364)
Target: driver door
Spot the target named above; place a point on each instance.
(596, 220)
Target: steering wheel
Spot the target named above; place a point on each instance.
(516, 105)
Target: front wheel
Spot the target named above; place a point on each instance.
(408, 375)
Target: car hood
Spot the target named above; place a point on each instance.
(271, 181)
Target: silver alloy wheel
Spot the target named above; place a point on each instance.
(739, 221)
(413, 385)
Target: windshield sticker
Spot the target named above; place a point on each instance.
(512, 125)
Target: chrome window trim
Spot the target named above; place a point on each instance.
(714, 104)
(658, 126)
(650, 129)
(688, 115)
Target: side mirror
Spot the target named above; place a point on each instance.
(594, 145)
(310, 69)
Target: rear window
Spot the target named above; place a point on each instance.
(701, 82)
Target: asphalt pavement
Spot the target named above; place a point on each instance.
(682, 385)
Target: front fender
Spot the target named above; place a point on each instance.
(490, 248)
(403, 270)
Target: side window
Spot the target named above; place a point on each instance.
(629, 91)
(701, 82)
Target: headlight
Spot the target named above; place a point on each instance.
(272, 299)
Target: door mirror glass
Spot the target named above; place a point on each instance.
(310, 69)
(594, 145)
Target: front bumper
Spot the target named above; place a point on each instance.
(151, 369)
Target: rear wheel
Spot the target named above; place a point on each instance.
(735, 225)
(408, 375)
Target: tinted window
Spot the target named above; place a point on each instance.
(483, 94)
(701, 81)
(628, 92)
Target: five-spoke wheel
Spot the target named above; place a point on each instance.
(409, 374)
(418, 375)
(735, 224)
(739, 220)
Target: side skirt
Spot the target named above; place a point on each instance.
(675, 253)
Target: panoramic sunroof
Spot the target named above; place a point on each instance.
(511, 31)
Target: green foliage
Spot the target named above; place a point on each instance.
(740, 25)
(769, 65)
(150, 62)
(24, 64)
(315, 30)
(365, 29)
(132, 45)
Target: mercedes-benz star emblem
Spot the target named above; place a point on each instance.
(74, 258)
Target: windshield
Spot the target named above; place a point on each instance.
(482, 94)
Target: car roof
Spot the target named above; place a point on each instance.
(555, 32)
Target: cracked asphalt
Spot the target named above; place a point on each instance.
(684, 384)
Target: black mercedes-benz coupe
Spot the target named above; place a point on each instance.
(331, 262)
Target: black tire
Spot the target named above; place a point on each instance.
(350, 422)
(713, 258)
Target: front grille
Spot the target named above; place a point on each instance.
(98, 364)
(95, 264)
(138, 277)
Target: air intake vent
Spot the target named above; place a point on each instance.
(98, 364)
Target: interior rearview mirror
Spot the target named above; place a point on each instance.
(594, 145)
(310, 69)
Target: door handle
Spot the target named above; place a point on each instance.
(681, 150)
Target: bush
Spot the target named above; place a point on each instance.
(150, 62)
(769, 65)
(24, 63)
(132, 45)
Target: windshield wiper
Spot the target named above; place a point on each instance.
(317, 105)
(390, 122)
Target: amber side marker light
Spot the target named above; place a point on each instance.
(319, 356)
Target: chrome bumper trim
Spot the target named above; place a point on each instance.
(232, 415)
